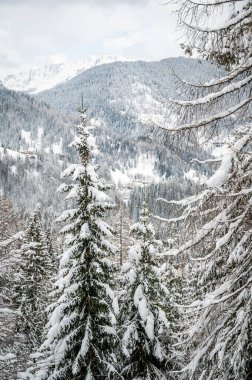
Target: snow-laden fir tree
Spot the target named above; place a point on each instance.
(11, 225)
(220, 335)
(147, 315)
(33, 284)
(81, 332)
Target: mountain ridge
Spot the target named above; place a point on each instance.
(45, 77)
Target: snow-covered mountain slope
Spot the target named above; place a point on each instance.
(31, 156)
(46, 77)
(27, 123)
(124, 100)
(129, 99)
(138, 88)
(30, 180)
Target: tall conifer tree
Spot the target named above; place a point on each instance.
(81, 332)
(33, 284)
(146, 316)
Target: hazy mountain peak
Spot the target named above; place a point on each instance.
(43, 78)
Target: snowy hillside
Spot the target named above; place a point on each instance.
(30, 150)
(43, 78)
(126, 90)
(129, 99)
(124, 99)
(27, 123)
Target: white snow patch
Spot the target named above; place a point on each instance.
(145, 106)
(194, 176)
(12, 154)
(149, 328)
(143, 169)
(39, 142)
(228, 153)
(26, 136)
(8, 356)
(57, 147)
(145, 166)
(14, 169)
(119, 178)
(85, 231)
(142, 308)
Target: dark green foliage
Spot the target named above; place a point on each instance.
(34, 280)
(81, 330)
(147, 313)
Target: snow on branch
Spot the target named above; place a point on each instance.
(202, 233)
(209, 160)
(243, 17)
(214, 96)
(171, 220)
(210, 119)
(222, 173)
(67, 215)
(245, 66)
(8, 357)
(5, 310)
(185, 201)
(211, 3)
(11, 240)
(212, 300)
(241, 69)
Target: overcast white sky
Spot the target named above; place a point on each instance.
(38, 32)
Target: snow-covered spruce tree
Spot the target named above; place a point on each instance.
(33, 283)
(81, 331)
(221, 334)
(10, 236)
(147, 317)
